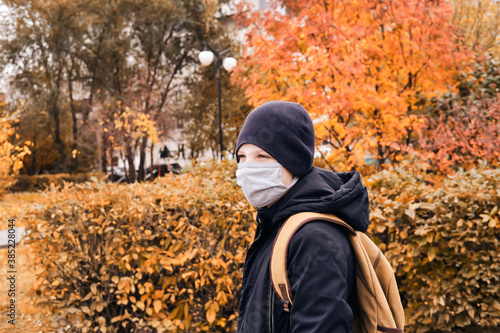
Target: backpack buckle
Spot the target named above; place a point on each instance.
(286, 305)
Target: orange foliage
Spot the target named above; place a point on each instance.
(442, 235)
(167, 256)
(11, 156)
(164, 255)
(464, 135)
(359, 67)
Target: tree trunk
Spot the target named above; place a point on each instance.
(142, 154)
(57, 121)
(105, 146)
(130, 159)
(74, 158)
(57, 131)
(111, 152)
(95, 68)
(151, 162)
(32, 170)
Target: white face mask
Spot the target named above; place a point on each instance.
(261, 182)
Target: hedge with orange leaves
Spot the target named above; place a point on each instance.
(168, 255)
(442, 236)
(165, 255)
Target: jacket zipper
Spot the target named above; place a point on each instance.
(270, 312)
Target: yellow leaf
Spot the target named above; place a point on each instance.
(87, 297)
(173, 315)
(124, 285)
(431, 254)
(158, 294)
(211, 314)
(213, 307)
(157, 305)
(403, 234)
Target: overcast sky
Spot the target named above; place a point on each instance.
(3, 11)
(4, 17)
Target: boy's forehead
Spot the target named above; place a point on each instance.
(248, 147)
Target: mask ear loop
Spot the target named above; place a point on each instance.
(293, 182)
(294, 179)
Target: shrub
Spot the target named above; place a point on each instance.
(25, 183)
(11, 156)
(441, 234)
(165, 255)
(168, 255)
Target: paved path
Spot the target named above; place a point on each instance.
(4, 236)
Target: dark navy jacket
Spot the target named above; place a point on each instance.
(320, 259)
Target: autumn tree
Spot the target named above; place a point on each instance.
(12, 152)
(461, 128)
(359, 67)
(77, 60)
(479, 24)
(464, 135)
(126, 128)
(35, 46)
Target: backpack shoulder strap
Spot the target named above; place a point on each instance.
(278, 263)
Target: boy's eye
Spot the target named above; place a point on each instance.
(263, 156)
(241, 156)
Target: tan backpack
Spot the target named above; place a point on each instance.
(379, 304)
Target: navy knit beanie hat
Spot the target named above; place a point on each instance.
(285, 131)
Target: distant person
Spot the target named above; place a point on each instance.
(275, 151)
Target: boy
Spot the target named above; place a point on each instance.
(275, 152)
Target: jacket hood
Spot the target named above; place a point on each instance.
(323, 191)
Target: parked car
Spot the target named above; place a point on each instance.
(118, 175)
(160, 170)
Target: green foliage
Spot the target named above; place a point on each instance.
(441, 234)
(168, 255)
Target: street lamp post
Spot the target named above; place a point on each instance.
(206, 58)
